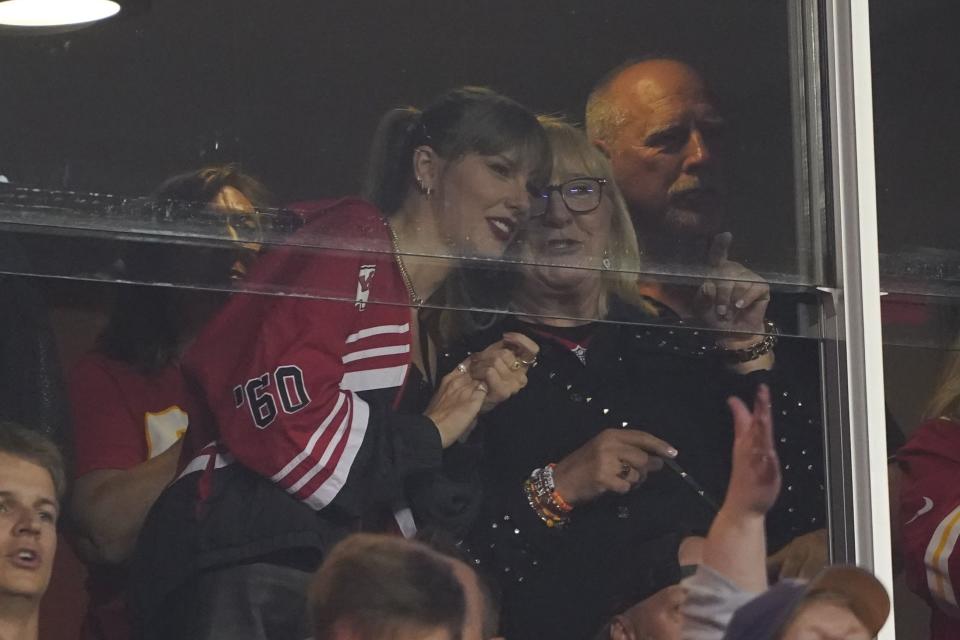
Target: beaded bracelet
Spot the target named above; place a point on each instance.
(555, 497)
(544, 499)
(548, 517)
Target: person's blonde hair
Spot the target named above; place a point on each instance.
(32, 446)
(945, 400)
(572, 152)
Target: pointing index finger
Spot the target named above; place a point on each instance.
(648, 443)
(719, 249)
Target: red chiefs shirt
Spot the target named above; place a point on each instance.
(930, 521)
(297, 441)
(121, 418)
(283, 375)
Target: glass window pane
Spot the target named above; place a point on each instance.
(181, 202)
(915, 86)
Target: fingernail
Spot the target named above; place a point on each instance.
(672, 452)
(721, 310)
(740, 304)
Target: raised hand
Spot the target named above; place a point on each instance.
(733, 298)
(755, 477)
(503, 367)
(615, 461)
(736, 544)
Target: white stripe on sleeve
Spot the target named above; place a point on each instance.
(327, 491)
(376, 331)
(376, 352)
(325, 458)
(303, 455)
(937, 558)
(385, 378)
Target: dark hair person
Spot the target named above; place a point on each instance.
(323, 405)
(578, 520)
(128, 396)
(149, 324)
(32, 485)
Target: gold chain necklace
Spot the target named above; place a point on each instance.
(403, 269)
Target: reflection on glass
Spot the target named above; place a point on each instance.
(419, 361)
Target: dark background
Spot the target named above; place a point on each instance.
(293, 88)
(916, 81)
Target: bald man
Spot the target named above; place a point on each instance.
(658, 123)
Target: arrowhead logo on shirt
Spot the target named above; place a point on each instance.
(363, 285)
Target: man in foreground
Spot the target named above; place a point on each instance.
(378, 586)
(32, 482)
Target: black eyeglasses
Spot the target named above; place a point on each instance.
(580, 195)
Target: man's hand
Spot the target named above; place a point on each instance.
(755, 477)
(733, 298)
(803, 557)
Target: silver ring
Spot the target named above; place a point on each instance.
(481, 386)
(624, 470)
(462, 368)
(532, 362)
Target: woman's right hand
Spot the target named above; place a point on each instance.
(456, 403)
(616, 460)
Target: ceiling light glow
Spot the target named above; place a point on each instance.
(52, 13)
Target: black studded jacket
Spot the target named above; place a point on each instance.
(649, 374)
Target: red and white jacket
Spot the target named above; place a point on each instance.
(300, 443)
(930, 521)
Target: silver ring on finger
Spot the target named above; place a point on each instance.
(462, 368)
(482, 387)
(532, 362)
(624, 470)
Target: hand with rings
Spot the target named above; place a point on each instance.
(502, 367)
(456, 403)
(616, 460)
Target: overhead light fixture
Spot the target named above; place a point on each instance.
(24, 15)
